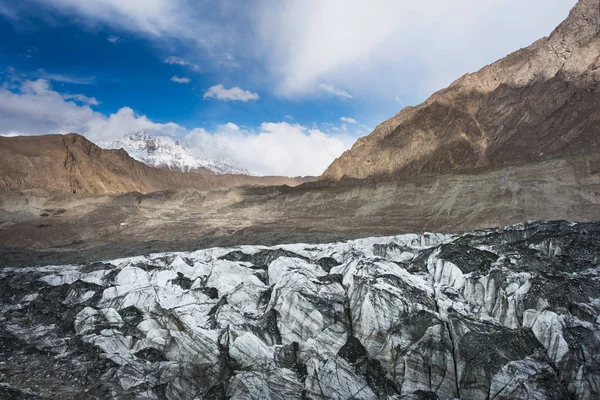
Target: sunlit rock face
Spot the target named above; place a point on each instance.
(510, 313)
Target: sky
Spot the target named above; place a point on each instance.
(281, 86)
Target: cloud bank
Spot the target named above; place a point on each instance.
(274, 148)
(391, 47)
(381, 48)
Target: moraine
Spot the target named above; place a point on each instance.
(509, 313)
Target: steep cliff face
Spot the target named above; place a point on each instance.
(509, 313)
(540, 102)
(71, 163)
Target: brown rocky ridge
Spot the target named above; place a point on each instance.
(538, 103)
(73, 164)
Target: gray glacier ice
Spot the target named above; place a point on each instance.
(507, 313)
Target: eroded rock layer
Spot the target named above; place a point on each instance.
(509, 313)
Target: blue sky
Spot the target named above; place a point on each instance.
(297, 81)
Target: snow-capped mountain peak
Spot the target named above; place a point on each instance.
(166, 152)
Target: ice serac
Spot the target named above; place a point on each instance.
(538, 103)
(166, 152)
(509, 313)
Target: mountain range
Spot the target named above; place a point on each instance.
(539, 103)
(71, 163)
(166, 152)
(517, 140)
(146, 272)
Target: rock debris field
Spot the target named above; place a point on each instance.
(510, 313)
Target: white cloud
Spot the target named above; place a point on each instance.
(349, 120)
(387, 46)
(183, 79)
(92, 101)
(229, 127)
(334, 91)
(377, 47)
(123, 122)
(234, 94)
(35, 108)
(214, 28)
(172, 60)
(113, 39)
(152, 17)
(73, 79)
(283, 148)
(7, 11)
(226, 60)
(399, 100)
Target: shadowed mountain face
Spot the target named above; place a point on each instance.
(538, 103)
(71, 163)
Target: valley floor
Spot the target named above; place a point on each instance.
(42, 227)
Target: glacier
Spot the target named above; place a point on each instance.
(504, 313)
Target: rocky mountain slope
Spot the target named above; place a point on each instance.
(71, 163)
(165, 152)
(507, 313)
(538, 103)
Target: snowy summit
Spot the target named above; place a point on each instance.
(165, 152)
